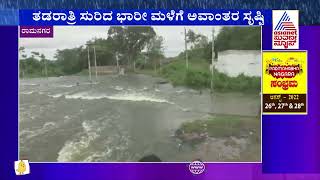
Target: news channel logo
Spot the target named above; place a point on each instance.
(197, 167)
(285, 29)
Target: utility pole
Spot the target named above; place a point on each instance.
(145, 59)
(117, 58)
(95, 62)
(45, 68)
(186, 47)
(134, 65)
(89, 68)
(212, 59)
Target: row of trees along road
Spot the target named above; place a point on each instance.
(134, 46)
(129, 44)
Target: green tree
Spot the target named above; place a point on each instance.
(155, 51)
(196, 40)
(129, 41)
(35, 54)
(104, 51)
(239, 38)
(69, 60)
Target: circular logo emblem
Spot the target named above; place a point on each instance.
(196, 167)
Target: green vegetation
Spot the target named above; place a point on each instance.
(239, 38)
(140, 49)
(150, 72)
(199, 76)
(224, 126)
(227, 126)
(37, 65)
(124, 44)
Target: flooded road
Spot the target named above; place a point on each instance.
(115, 119)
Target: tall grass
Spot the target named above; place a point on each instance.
(198, 76)
(223, 126)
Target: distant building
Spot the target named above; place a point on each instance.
(101, 70)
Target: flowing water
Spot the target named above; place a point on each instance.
(123, 118)
(119, 118)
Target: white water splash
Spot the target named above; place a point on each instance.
(118, 88)
(121, 97)
(27, 93)
(137, 97)
(28, 84)
(32, 92)
(96, 156)
(27, 134)
(48, 125)
(66, 85)
(180, 91)
(85, 96)
(56, 95)
(74, 148)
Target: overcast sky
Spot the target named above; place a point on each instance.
(75, 36)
